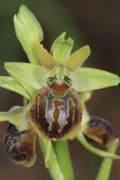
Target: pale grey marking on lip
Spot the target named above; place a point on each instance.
(12, 143)
(49, 111)
(64, 113)
(63, 110)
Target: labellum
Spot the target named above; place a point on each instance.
(20, 146)
(56, 111)
(99, 130)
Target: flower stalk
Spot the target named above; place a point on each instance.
(62, 152)
(94, 150)
(105, 168)
(52, 164)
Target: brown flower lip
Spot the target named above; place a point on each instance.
(56, 111)
(20, 147)
(100, 130)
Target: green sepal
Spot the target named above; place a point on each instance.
(13, 85)
(77, 59)
(43, 56)
(30, 90)
(33, 75)
(61, 48)
(88, 79)
(28, 30)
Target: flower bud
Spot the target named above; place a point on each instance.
(28, 30)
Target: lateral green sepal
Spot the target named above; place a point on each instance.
(33, 75)
(89, 79)
(10, 83)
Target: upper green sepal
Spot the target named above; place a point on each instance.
(28, 30)
(88, 79)
(61, 48)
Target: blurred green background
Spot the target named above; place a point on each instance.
(89, 22)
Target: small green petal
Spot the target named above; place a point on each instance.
(11, 84)
(78, 58)
(87, 79)
(28, 30)
(61, 48)
(33, 75)
(43, 56)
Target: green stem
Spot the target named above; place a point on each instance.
(105, 169)
(63, 156)
(94, 150)
(53, 165)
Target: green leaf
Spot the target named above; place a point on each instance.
(77, 59)
(44, 56)
(33, 75)
(28, 30)
(87, 79)
(11, 84)
(61, 48)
